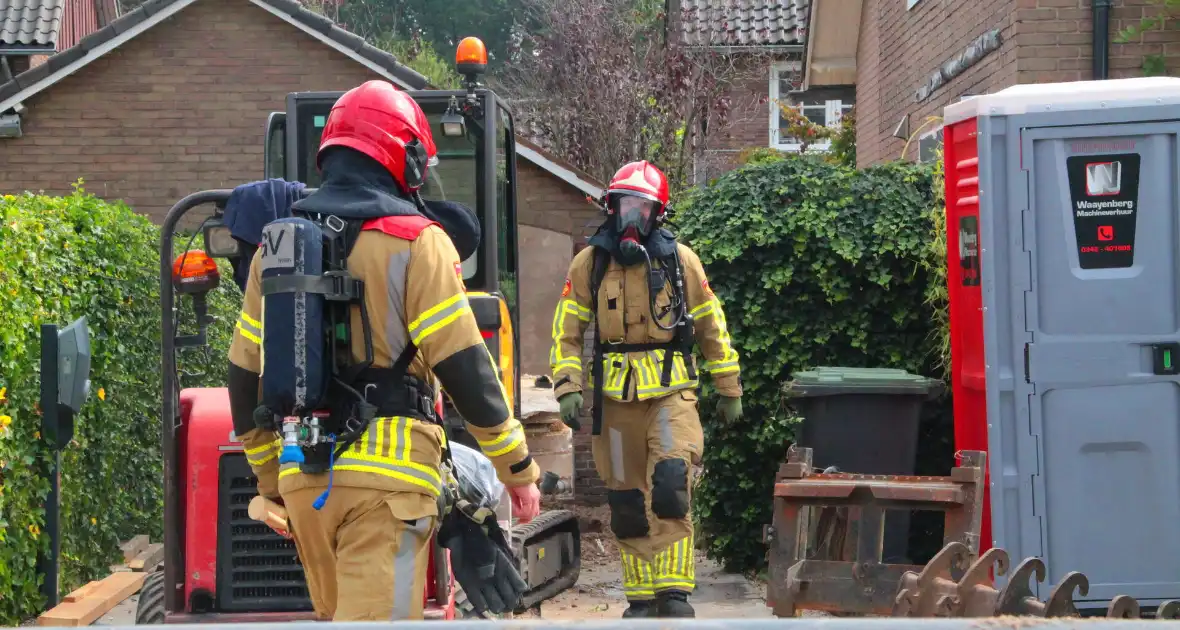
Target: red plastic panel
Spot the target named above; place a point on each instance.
(964, 290)
(207, 426)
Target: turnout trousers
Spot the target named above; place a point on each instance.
(362, 562)
(645, 454)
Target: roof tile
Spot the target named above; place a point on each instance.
(32, 75)
(744, 22)
(30, 22)
(98, 38)
(124, 23)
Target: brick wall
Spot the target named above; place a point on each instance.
(1054, 39)
(178, 109)
(899, 49)
(1044, 41)
(547, 202)
(748, 123)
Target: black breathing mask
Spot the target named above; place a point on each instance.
(635, 221)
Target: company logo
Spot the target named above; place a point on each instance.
(565, 290)
(1106, 232)
(1104, 178)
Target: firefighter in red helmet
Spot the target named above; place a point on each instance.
(363, 510)
(650, 300)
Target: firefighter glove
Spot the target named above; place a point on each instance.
(730, 408)
(480, 559)
(571, 406)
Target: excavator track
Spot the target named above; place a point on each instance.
(548, 552)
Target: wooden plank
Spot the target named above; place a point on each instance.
(148, 560)
(98, 601)
(81, 592)
(134, 547)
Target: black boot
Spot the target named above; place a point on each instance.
(673, 604)
(639, 608)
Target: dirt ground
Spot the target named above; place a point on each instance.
(599, 591)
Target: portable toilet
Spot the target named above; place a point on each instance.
(1063, 233)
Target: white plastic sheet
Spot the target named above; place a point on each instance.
(476, 476)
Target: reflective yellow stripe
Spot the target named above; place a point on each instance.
(505, 442)
(259, 455)
(438, 317)
(251, 321)
(675, 566)
(637, 577)
(558, 360)
(568, 364)
(372, 454)
(721, 367)
(249, 327)
(701, 311)
(729, 360)
(652, 366)
(276, 444)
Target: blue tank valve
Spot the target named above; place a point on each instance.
(291, 454)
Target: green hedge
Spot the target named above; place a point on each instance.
(62, 258)
(816, 264)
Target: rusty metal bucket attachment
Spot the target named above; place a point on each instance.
(931, 593)
(842, 570)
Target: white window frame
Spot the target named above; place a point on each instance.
(833, 112)
(777, 68)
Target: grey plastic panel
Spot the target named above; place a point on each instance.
(1084, 454)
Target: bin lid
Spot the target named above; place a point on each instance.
(831, 381)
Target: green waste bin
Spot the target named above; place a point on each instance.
(864, 420)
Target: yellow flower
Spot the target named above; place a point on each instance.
(34, 530)
(5, 421)
(93, 521)
(3, 394)
(102, 394)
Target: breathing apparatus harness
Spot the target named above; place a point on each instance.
(670, 272)
(324, 402)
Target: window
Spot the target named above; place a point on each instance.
(929, 144)
(909, 4)
(822, 106)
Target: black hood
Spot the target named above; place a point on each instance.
(659, 244)
(459, 222)
(356, 186)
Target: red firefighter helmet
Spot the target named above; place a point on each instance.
(641, 179)
(385, 124)
(637, 197)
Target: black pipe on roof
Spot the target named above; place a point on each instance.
(1100, 9)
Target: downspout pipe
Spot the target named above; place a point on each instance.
(1100, 11)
